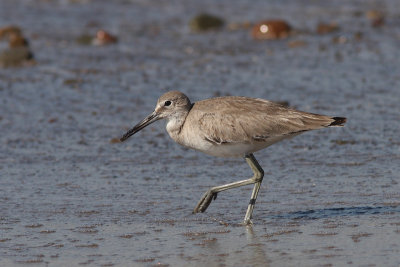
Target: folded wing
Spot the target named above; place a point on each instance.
(249, 120)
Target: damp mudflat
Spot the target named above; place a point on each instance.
(70, 196)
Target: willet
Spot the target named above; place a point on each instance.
(231, 126)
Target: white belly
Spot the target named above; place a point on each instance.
(228, 150)
(231, 150)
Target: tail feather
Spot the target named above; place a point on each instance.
(338, 121)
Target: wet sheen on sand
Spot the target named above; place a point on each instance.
(70, 197)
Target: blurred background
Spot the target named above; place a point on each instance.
(75, 75)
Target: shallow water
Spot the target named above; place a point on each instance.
(71, 197)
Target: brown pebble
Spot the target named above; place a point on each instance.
(14, 35)
(16, 56)
(339, 39)
(376, 17)
(115, 140)
(206, 22)
(324, 28)
(18, 53)
(104, 38)
(270, 30)
(6, 31)
(17, 40)
(53, 120)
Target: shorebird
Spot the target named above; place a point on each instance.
(231, 126)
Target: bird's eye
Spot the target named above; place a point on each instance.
(167, 103)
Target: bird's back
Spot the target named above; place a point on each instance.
(246, 124)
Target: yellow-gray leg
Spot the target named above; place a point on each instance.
(258, 177)
(211, 194)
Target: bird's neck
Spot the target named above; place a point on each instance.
(175, 124)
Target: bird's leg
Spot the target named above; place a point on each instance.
(211, 194)
(257, 177)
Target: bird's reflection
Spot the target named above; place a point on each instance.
(256, 249)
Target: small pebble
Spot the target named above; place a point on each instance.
(115, 140)
(271, 29)
(17, 40)
(324, 28)
(340, 39)
(376, 17)
(18, 52)
(206, 22)
(7, 30)
(104, 38)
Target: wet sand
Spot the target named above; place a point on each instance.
(71, 197)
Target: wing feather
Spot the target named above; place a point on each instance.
(247, 120)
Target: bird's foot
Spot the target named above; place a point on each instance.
(247, 222)
(205, 201)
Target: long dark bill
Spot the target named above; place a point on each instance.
(148, 120)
